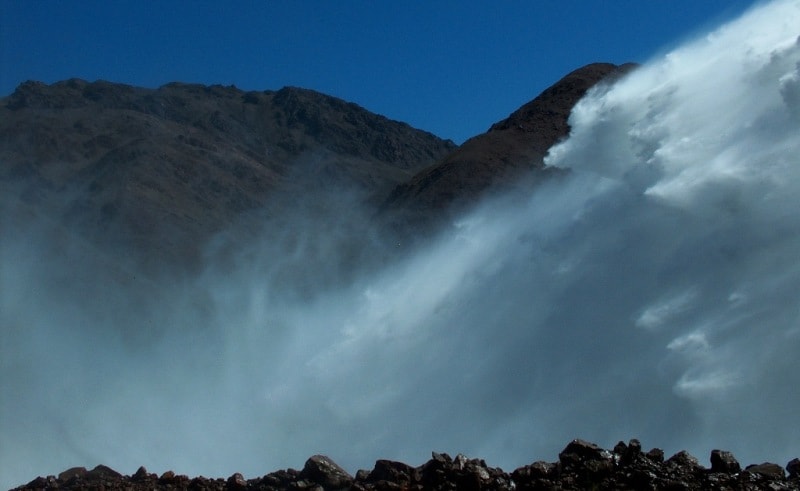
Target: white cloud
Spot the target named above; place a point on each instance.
(647, 303)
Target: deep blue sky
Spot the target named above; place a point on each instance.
(449, 67)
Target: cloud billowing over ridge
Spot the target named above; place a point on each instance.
(650, 293)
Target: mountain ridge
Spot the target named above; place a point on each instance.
(158, 172)
(157, 168)
(510, 154)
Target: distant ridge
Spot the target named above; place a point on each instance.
(158, 171)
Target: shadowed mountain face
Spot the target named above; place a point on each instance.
(505, 155)
(154, 174)
(157, 172)
(142, 182)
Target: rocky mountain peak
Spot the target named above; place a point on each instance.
(507, 153)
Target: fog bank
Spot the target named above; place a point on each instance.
(651, 293)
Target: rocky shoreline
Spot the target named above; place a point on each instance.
(581, 465)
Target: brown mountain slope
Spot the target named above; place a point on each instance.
(154, 173)
(158, 171)
(507, 151)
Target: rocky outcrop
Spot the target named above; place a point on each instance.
(722, 461)
(581, 465)
(510, 154)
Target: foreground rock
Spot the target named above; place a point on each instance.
(581, 465)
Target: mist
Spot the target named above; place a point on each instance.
(651, 292)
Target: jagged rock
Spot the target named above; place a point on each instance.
(682, 469)
(460, 461)
(586, 459)
(48, 482)
(280, 479)
(724, 461)
(166, 477)
(655, 454)
(322, 470)
(140, 474)
(767, 469)
(237, 481)
(102, 472)
(579, 450)
(536, 470)
(684, 459)
(793, 468)
(433, 472)
(72, 472)
(628, 453)
(387, 470)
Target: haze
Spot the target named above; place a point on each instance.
(650, 293)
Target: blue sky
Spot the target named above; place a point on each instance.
(449, 67)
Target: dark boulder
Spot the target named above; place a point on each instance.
(767, 470)
(434, 471)
(655, 454)
(236, 481)
(324, 471)
(628, 453)
(581, 450)
(280, 479)
(536, 470)
(793, 468)
(684, 459)
(102, 472)
(724, 461)
(40, 482)
(72, 472)
(141, 474)
(388, 470)
(586, 459)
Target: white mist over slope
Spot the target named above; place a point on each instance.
(652, 293)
